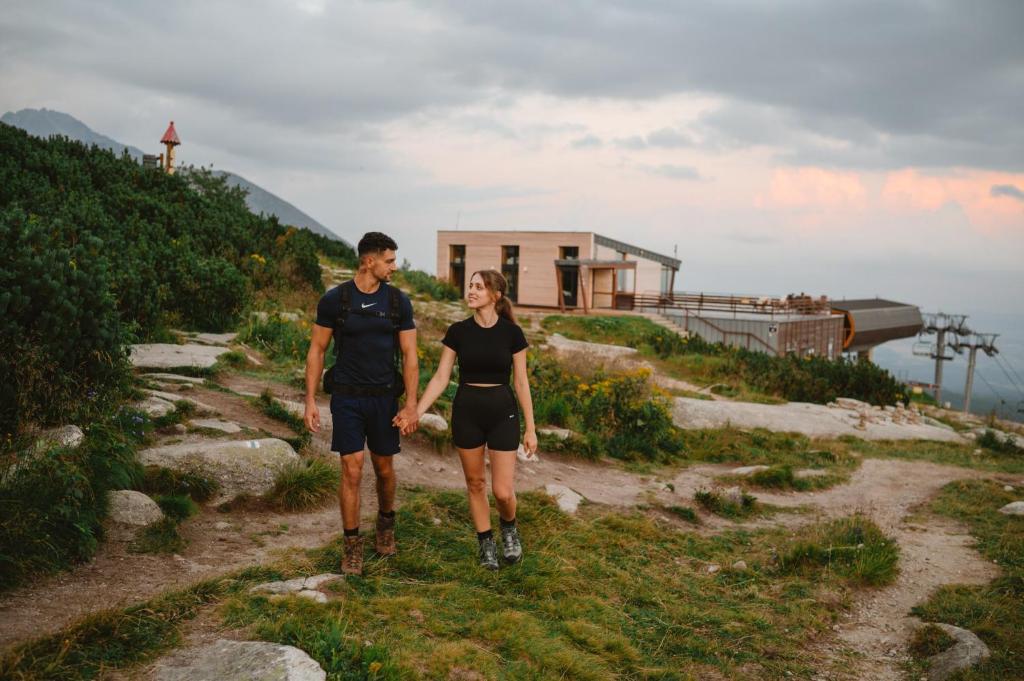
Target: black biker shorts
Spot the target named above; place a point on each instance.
(485, 415)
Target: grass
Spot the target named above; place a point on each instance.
(951, 453)
(119, 639)
(853, 548)
(159, 537)
(929, 640)
(643, 605)
(715, 502)
(275, 410)
(995, 611)
(177, 506)
(684, 512)
(164, 481)
(302, 485)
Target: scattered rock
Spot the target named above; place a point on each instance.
(810, 473)
(436, 521)
(739, 565)
(134, 509)
(417, 615)
(221, 339)
(154, 406)
(216, 424)
(597, 351)
(297, 585)
(317, 596)
(850, 403)
(179, 428)
(968, 651)
(748, 470)
(221, 525)
(567, 499)
(1007, 488)
(238, 466)
(712, 568)
(1013, 508)
(438, 469)
(64, 436)
(175, 378)
(317, 581)
(251, 660)
(560, 433)
(175, 397)
(732, 495)
(434, 422)
(169, 356)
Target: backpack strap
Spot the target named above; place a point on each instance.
(339, 321)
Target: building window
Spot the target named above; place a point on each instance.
(457, 267)
(568, 252)
(624, 278)
(510, 270)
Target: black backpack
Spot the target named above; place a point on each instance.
(394, 313)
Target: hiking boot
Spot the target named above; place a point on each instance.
(385, 540)
(511, 546)
(488, 554)
(352, 562)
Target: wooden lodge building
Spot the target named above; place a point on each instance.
(558, 269)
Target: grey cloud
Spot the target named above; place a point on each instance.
(587, 142)
(878, 83)
(669, 138)
(635, 142)
(675, 172)
(1007, 190)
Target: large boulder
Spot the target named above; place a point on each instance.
(129, 507)
(249, 660)
(967, 651)
(238, 466)
(169, 356)
(64, 436)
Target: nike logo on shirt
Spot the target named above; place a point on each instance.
(366, 305)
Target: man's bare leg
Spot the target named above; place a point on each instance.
(383, 467)
(348, 500)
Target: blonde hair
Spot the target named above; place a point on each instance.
(495, 282)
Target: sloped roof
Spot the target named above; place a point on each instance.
(171, 136)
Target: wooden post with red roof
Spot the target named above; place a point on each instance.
(170, 140)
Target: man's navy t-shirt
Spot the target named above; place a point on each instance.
(368, 343)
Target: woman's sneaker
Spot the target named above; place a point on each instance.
(488, 554)
(511, 546)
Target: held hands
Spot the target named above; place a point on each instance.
(407, 420)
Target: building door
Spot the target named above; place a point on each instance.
(457, 268)
(570, 275)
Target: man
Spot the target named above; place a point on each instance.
(364, 402)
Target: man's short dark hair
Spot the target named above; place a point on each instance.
(375, 242)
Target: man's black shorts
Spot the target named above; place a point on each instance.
(364, 421)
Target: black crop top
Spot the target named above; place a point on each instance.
(485, 355)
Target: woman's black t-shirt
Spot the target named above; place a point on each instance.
(485, 355)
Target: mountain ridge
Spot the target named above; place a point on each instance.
(45, 123)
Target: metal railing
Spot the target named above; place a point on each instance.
(696, 303)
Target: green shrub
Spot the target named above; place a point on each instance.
(929, 640)
(178, 507)
(209, 293)
(427, 284)
(52, 502)
(716, 503)
(684, 512)
(1007, 445)
(159, 537)
(306, 484)
(279, 339)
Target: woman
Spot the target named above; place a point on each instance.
(484, 413)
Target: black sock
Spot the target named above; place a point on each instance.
(388, 515)
(507, 524)
(354, 532)
(486, 534)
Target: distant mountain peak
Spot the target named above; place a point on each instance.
(47, 123)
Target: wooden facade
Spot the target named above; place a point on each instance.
(557, 268)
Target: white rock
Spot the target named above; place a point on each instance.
(154, 406)
(169, 356)
(1007, 488)
(216, 424)
(739, 565)
(239, 466)
(1013, 508)
(221, 525)
(850, 403)
(748, 470)
(568, 500)
(317, 596)
(434, 422)
(249, 660)
(968, 651)
(175, 397)
(128, 507)
(712, 569)
(597, 351)
(175, 378)
(64, 436)
(732, 495)
(560, 433)
(221, 339)
(316, 581)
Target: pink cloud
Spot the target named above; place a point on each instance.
(910, 191)
(814, 188)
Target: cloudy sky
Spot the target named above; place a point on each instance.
(846, 148)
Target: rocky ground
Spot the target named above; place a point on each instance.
(933, 551)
